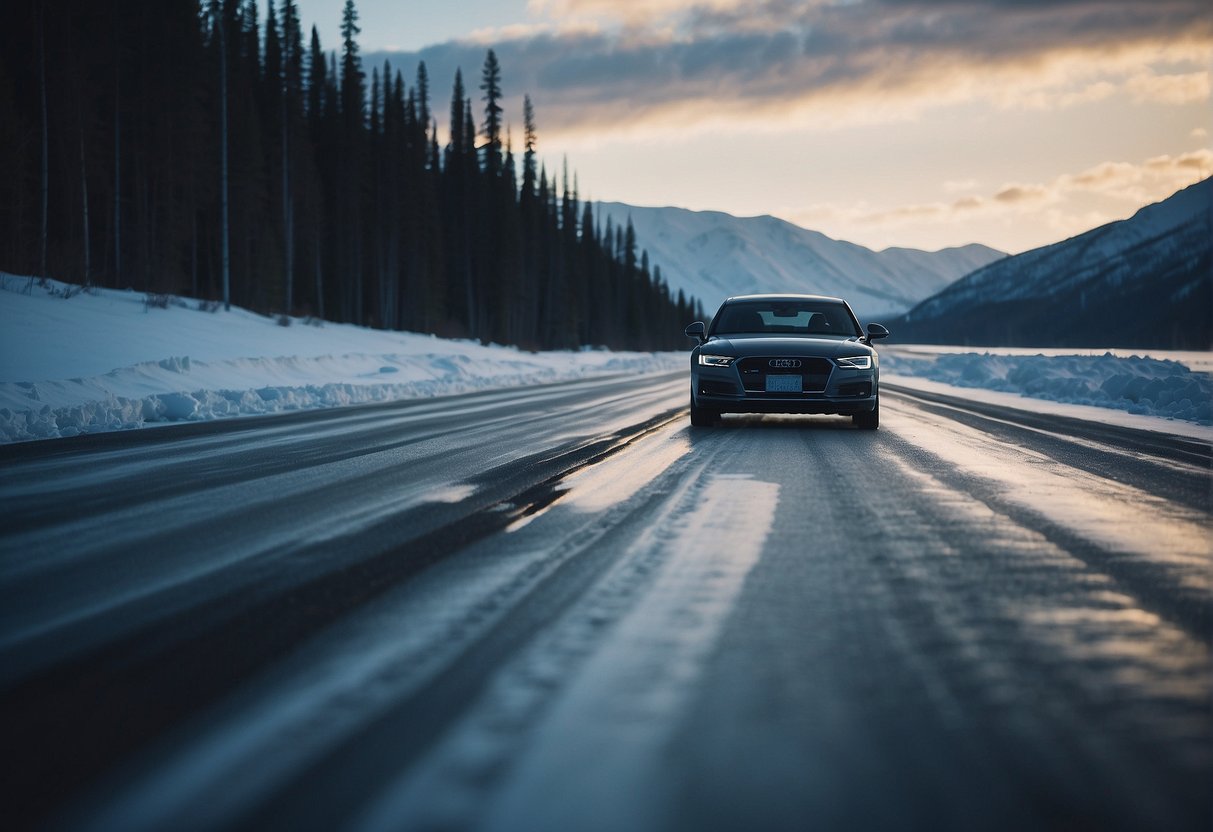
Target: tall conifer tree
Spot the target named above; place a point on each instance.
(490, 84)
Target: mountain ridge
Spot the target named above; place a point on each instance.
(1144, 281)
(711, 255)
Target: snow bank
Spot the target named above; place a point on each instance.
(74, 363)
(1136, 384)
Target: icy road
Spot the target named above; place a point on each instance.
(559, 608)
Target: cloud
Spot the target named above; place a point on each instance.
(595, 66)
(1129, 184)
(1146, 182)
(1199, 162)
(1171, 89)
(956, 186)
(629, 12)
(1022, 194)
(1109, 175)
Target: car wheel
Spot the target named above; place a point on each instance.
(701, 417)
(869, 420)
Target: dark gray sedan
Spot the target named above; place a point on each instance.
(785, 354)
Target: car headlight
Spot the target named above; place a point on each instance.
(856, 362)
(716, 360)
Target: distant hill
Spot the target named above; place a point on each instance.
(1141, 282)
(711, 255)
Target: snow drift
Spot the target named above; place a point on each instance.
(105, 360)
(1135, 384)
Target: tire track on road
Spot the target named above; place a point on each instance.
(144, 683)
(1179, 593)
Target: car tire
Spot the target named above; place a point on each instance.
(702, 417)
(869, 420)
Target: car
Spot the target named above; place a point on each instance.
(785, 354)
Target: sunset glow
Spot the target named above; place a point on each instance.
(922, 123)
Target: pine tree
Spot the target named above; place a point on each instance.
(456, 132)
(292, 79)
(531, 140)
(353, 125)
(353, 90)
(629, 246)
(217, 16)
(42, 275)
(423, 96)
(457, 186)
(117, 218)
(272, 106)
(250, 29)
(272, 66)
(316, 77)
(490, 84)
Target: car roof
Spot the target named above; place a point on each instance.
(784, 297)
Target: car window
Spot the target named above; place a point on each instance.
(784, 318)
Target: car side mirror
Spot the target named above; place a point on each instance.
(876, 331)
(697, 331)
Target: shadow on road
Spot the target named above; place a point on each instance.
(779, 421)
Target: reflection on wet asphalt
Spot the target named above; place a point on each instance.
(776, 623)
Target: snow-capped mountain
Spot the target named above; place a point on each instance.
(1141, 282)
(711, 255)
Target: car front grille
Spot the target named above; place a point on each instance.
(814, 371)
(717, 388)
(862, 389)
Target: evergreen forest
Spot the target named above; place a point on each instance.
(217, 150)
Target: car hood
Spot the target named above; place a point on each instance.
(745, 345)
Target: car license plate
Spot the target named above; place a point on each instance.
(784, 384)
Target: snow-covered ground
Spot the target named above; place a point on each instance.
(1163, 388)
(106, 360)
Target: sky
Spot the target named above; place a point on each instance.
(919, 123)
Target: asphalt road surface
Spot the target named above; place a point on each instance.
(561, 608)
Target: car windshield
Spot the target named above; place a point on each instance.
(785, 317)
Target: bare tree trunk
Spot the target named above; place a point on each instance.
(357, 272)
(146, 226)
(319, 276)
(194, 256)
(88, 270)
(288, 220)
(117, 174)
(45, 145)
(227, 290)
(384, 314)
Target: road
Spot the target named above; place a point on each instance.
(561, 608)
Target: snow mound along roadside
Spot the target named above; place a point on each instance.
(182, 360)
(1135, 384)
(178, 389)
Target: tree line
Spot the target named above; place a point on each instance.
(186, 147)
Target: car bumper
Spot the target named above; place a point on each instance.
(805, 404)
(845, 393)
